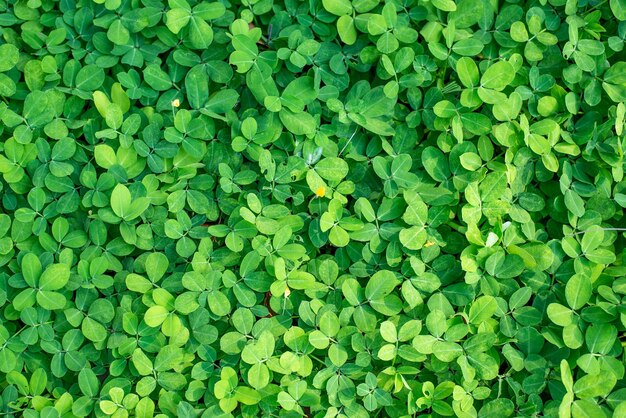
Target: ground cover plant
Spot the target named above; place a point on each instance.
(282, 208)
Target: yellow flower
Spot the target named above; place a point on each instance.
(429, 244)
(176, 103)
(287, 292)
(321, 191)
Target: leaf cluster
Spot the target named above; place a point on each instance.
(321, 208)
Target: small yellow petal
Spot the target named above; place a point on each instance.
(287, 292)
(429, 244)
(321, 191)
(176, 103)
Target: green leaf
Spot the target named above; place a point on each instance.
(156, 266)
(476, 123)
(155, 316)
(493, 187)
(388, 332)
(338, 7)
(258, 376)
(447, 351)
(380, 284)
(200, 33)
(559, 314)
(338, 236)
(413, 238)
(117, 33)
(218, 303)
(169, 357)
(435, 164)
(7, 86)
(298, 123)
(197, 86)
(468, 47)
(89, 78)
(376, 25)
(157, 78)
(54, 277)
(601, 256)
(593, 385)
(88, 382)
(247, 396)
(498, 76)
(445, 5)
(592, 239)
(574, 203)
(618, 7)
(102, 104)
(10, 56)
(600, 338)
(332, 169)
(482, 309)
(587, 408)
(144, 408)
(222, 101)
(471, 161)
(347, 29)
(50, 300)
(93, 330)
(177, 18)
(105, 156)
(497, 408)
(121, 200)
(31, 269)
(467, 71)
(578, 291)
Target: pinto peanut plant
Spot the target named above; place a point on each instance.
(318, 208)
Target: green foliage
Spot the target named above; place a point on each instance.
(324, 208)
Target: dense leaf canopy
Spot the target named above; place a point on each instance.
(321, 208)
